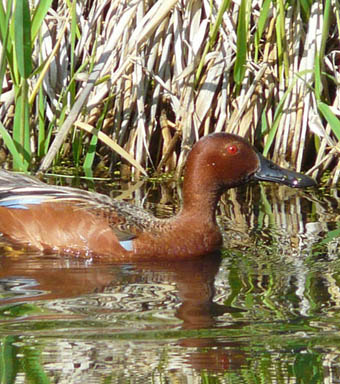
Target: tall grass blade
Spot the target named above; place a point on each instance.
(325, 29)
(6, 137)
(77, 147)
(332, 120)
(2, 22)
(21, 131)
(74, 24)
(41, 124)
(213, 34)
(89, 159)
(23, 49)
(317, 78)
(264, 15)
(4, 32)
(241, 45)
(38, 16)
(305, 7)
(277, 117)
(281, 40)
(212, 38)
(77, 136)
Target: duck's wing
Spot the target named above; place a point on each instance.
(10, 179)
(22, 192)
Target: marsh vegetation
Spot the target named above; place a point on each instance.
(115, 83)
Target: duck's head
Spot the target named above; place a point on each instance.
(222, 160)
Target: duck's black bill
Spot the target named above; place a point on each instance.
(268, 171)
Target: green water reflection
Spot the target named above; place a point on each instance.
(264, 311)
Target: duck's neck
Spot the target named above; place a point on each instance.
(200, 199)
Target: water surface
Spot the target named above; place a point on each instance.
(264, 310)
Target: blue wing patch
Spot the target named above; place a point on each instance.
(127, 245)
(21, 203)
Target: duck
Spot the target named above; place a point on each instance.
(71, 221)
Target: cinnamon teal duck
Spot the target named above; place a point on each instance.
(71, 221)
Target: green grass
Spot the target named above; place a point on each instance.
(262, 69)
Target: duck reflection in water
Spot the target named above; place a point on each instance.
(192, 282)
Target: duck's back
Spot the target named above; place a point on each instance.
(67, 219)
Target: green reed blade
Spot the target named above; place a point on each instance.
(9, 143)
(277, 118)
(241, 44)
(89, 159)
(21, 131)
(38, 17)
(23, 49)
(91, 152)
(49, 136)
(77, 142)
(325, 28)
(4, 32)
(305, 8)
(212, 37)
(3, 29)
(317, 78)
(74, 26)
(77, 146)
(283, 60)
(41, 123)
(264, 15)
(214, 31)
(332, 120)
(330, 236)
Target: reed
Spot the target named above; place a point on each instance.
(147, 79)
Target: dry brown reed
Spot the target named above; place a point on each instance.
(158, 79)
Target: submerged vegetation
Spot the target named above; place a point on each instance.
(98, 81)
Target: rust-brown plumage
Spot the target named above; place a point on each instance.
(88, 224)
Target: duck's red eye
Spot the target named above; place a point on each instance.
(232, 149)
